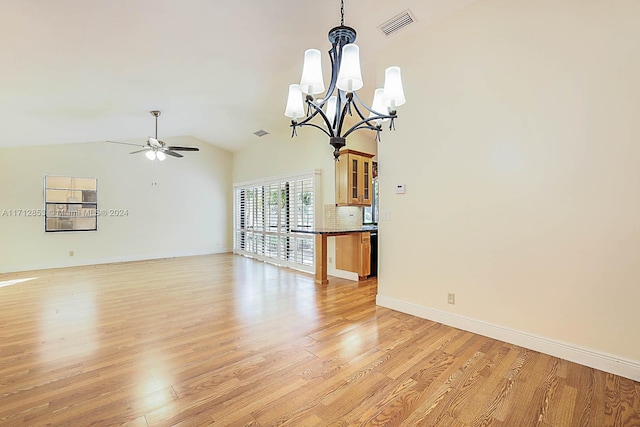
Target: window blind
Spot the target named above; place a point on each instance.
(265, 212)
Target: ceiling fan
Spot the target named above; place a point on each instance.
(156, 149)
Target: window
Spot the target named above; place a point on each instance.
(266, 212)
(71, 204)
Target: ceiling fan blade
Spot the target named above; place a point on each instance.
(183, 148)
(171, 153)
(140, 151)
(126, 143)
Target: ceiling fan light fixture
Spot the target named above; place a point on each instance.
(157, 149)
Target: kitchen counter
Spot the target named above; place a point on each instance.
(336, 231)
(321, 235)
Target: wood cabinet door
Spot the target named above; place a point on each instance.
(367, 179)
(365, 255)
(348, 252)
(354, 177)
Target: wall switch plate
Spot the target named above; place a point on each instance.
(400, 189)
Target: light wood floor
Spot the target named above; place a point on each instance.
(230, 341)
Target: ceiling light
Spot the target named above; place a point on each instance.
(151, 155)
(161, 156)
(341, 97)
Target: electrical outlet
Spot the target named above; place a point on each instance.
(71, 253)
(451, 298)
(330, 260)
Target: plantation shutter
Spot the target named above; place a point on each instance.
(266, 211)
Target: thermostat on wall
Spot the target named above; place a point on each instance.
(400, 189)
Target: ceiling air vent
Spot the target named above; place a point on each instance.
(397, 22)
(260, 133)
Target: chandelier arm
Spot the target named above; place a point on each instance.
(378, 116)
(364, 124)
(343, 114)
(355, 94)
(360, 124)
(308, 118)
(306, 122)
(368, 119)
(317, 127)
(355, 106)
(318, 110)
(335, 57)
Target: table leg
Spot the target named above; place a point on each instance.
(321, 259)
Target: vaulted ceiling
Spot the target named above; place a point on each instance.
(87, 70)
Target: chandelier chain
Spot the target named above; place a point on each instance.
(341, 12)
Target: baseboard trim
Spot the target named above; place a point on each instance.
(343, 274)
(79, 262)
(583, 356)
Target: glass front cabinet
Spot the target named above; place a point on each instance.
(354, 175)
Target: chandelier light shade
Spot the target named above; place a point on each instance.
(295, 106)
(378, 104)
(311, 81)
(393, 92)
(331, 109)
(350, 76)
(328, 112)
(151, 155)
(161, 156)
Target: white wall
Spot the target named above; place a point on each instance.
(519, 148)
(177, 207)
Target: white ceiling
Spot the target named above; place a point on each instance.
(87, 70)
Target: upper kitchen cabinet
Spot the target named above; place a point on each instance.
(354, 174)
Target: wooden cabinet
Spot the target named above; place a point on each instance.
(353, 253)
(354, 175)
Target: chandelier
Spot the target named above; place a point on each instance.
(341, 98)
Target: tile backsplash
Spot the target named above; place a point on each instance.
(341, 217)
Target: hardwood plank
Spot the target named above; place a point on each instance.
(621, 404)
(225, 340)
